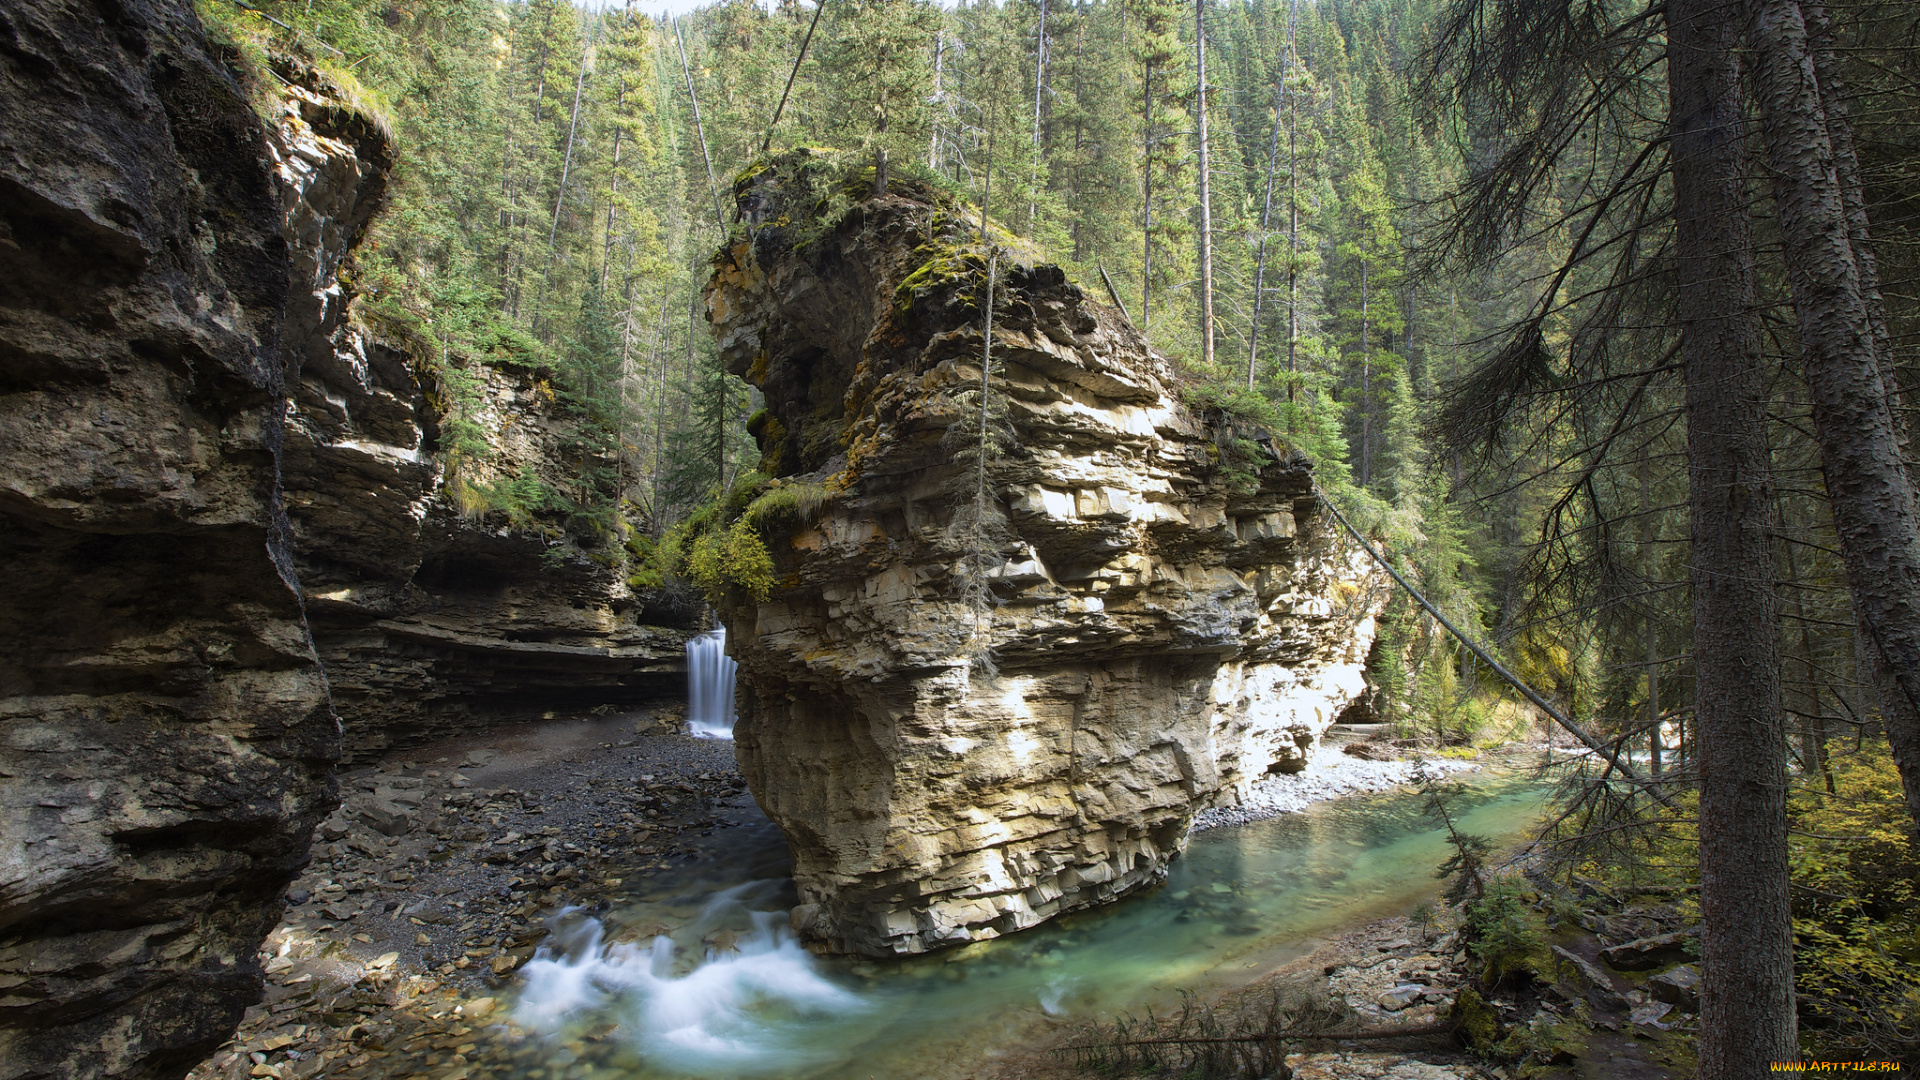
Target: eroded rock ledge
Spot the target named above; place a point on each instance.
(1163, 636)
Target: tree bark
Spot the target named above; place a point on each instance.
(1146, 206)
(1260, 265)
(1747, 1012)
(1206, 196)
(1835, 301)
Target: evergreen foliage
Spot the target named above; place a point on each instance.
(1464, 321)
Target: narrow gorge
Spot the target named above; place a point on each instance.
(237, 558)
(232, 560)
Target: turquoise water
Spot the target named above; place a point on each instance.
(702, 979)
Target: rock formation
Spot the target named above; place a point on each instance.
(165, 739)
(428, 621)
(1168, 610)
(200, 451)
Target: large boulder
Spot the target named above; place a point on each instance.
(968, 722)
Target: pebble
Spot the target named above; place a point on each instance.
(357, 986)
(1330, 774)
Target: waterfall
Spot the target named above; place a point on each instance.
(710, 686)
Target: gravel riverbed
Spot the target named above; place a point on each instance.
(1331, 773)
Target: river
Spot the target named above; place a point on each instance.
(701, 978)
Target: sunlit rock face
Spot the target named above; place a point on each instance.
(1163, 636)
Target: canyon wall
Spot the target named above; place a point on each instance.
(431, 619)
(967, 723)
(219, 492)
(165, 739)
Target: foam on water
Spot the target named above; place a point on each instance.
(723, 1013)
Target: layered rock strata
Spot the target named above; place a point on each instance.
(429, 621)
(195, 439)
(165, 738)
(1170, 616)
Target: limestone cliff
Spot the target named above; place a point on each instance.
(165, 740)
(429, 620)
(207, 466)
(1165, 631)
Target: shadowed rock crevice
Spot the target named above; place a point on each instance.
(1164, 633)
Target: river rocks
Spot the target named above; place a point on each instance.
(1330, 773)
(165, 739)
(1679, 987)
(371, 976)
(1165, 632)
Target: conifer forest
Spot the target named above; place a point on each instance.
(1552, 365)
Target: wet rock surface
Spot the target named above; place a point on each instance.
(399, 955)
(1165, 630)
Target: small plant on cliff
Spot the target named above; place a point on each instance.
(1508, 937)
(736, 558)
(723, 548)
(519, 497)
(1241, 423)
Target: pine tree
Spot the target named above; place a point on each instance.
(880, 63)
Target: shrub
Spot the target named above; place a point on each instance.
(1237, 418)
(734, 559)
(1509, 937)
(1857, 934)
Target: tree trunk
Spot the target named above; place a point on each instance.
(713, 186)
(1647, 538)
(939, 97)
(560, 195)
(1260, 265)
(1146, 208)
(1039, 85)
(1846, 161)
(1293, 208)
(1874, 505)
(1747, 1014)
(1206, 199)
(1366, 386)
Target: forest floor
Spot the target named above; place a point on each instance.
(398, 953)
